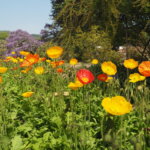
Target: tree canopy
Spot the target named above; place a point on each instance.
(123, 21)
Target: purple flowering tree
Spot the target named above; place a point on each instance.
(21, 41)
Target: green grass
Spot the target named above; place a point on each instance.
(51, 120)
(4, 35)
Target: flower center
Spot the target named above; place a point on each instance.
(85, 79)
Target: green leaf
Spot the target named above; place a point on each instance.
(46, 136)
(25, 128)
(16, 143)
(13, 115)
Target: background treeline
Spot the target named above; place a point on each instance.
(90, 28)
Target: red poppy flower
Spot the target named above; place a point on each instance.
(144, 68)
(85, 76)
(102, 77)
(30, 60)
(59, 70)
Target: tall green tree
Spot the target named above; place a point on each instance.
(124, 21)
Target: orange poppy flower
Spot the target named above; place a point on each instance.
(42, 59)
(57, 63)
(26, 70)
(54, 64)
(102, 77)
(14, 68)
(30, 60)
(144, 68)
(59, 70)
(61, 62)
(85, 76)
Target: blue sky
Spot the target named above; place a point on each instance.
(28, 15)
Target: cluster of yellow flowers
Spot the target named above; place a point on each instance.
(14, 60)
(24, 53)
(143, 69)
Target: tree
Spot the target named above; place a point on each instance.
(125, 21)
(136, 22)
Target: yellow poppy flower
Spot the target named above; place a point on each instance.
(3, 69)
(117, 105)
(75, 85)
(27, 94)
(9, 57)
(94, 61)
(24, 53)
(73, 61)
(13, 52)
(109, 68)
(135, 77)
(39, 70)
(48, 61)
(109, 79)
(54, 52)
(78, 83)
(130, 63)
(72, 86)
(21, 60)
(14, 60)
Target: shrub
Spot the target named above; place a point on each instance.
(21, 41)
(84, 45)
